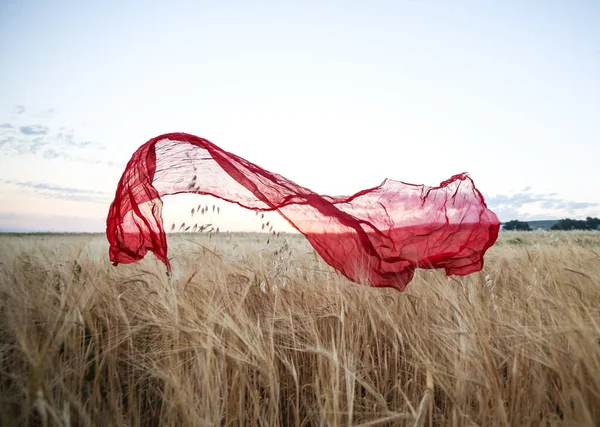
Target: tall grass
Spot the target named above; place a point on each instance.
(245, 333)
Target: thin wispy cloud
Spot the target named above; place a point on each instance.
(19, 109)
(13, 222)
(519, 199)
(33, 130)
(23, 139)
(51, 154)
(40, 139)
(527, 205)
(6, 141)
(60, 192)
(69, 139)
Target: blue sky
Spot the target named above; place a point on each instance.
(336, 96)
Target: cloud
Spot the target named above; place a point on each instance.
(37, 144)
(19, 109)
(519, 198)
(12, 222)
(116, 164)
(23, 139)
(6, 140)
(68, 139)
(33, 130)
(51, 154)
(38, 139)
(16, 145)
(60, 192)
(528, 205)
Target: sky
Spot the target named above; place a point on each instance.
(334, 95)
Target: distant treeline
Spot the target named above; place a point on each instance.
(562, 224)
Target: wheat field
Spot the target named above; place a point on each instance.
(246, 332)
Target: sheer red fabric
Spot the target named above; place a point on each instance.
(378, 236)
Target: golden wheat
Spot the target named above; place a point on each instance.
(248, 334)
